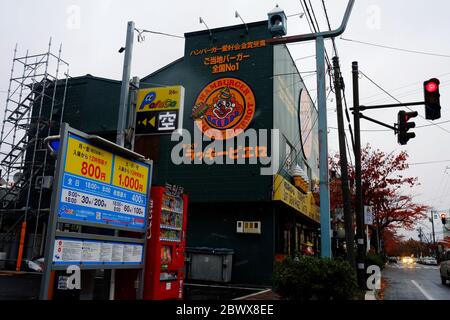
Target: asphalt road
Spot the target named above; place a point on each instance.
(414, 282)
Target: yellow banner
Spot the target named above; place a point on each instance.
(130, 175)
(88, 161)
(304, 203)
(160, 99)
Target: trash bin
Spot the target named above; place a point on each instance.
(209, 264)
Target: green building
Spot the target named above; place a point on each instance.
(233, 80)
(223, 195)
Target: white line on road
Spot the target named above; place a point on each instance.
(422, 290)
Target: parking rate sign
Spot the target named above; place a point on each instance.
(103, 188)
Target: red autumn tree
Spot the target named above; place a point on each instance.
(384, 187)
(392, 243)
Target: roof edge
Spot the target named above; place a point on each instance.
(233, 27)
(163, 68)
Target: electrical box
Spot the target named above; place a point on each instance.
(46, 182)
(253, 227)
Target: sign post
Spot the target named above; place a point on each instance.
(103, 185)
(368, 220)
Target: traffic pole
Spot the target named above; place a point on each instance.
(361, 257)
(325, 225)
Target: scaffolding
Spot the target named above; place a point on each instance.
(34, 110)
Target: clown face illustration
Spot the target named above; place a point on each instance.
(223, 107)
(224, 104)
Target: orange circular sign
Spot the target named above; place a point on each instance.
(224, 108)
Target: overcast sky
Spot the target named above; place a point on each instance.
(92, 32)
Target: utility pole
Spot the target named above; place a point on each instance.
(432, 227)
(122, 117)
(361, 271)
(433, 234)
(420, 239)
(125, 89)
(348, 216)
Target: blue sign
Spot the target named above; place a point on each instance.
(103, 188)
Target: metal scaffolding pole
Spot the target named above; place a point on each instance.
(29, 110)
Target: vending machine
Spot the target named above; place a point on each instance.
(164, 272)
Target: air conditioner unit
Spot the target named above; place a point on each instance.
(249, 227)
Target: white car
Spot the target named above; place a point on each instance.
(430, 261)
(445, 267)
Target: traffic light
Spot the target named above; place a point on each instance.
(432, 99)
(403, 126)
(443, 218)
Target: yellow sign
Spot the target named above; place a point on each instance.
(160, 99)
(88, 161)
(304, 203)
(130, 175)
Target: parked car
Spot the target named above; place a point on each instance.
(430, 261)
(445, 267)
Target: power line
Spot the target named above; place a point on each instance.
(405, 86)
(407, 93)
(317, 28)
(389, 130)
(379, 87)
(398, 49)
(428, 162)
(306, 9)
(314, 15)
(313, 55)
(329, 27)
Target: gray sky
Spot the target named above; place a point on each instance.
(92, 31)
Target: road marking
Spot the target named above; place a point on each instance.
(422, 290)
(253, 294)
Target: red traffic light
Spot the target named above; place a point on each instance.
(432, 99)
(432, 86)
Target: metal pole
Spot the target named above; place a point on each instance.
(359, 196)
(122, 120)
(124, 92)
(348, 216)
(53, 218)
(325, 238)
